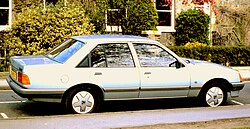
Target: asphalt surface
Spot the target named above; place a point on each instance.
(128, 118)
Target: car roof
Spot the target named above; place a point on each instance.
(111, 38)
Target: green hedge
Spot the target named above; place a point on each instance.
(229, 56)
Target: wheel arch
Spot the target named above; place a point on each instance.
(93, 87)
(227, 85)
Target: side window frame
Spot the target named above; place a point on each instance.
(88, 57)
(141, 65)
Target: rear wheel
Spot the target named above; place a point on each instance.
(82, 101)
(214, 95)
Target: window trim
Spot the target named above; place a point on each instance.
(110, 28)
(156, 46)
(8, 25)
(172, 24)
(106, 62)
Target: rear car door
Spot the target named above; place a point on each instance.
(161, 74)
(112, 67)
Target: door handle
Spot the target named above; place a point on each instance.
(147, 73)
(98, 73)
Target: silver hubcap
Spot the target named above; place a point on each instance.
(83, 102)
(214, 96)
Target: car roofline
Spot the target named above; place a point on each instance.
(112, 38)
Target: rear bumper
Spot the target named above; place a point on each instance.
(35, 93)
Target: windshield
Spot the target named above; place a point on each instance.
(64, 51)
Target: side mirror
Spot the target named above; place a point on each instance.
(179, 65)
(176, 64)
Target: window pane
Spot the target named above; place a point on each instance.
(162, 5)
(4, 16)
(153, 56)
(118, 55)
(112, 56)
(85, 62)
(4, 3)
(164, 18)
(98, 57)
(64, 51)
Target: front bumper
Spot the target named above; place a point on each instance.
(237, 86)
(34, 93)
(235, 89)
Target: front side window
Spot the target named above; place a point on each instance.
(109, 55)
(64, 51)
(153, 56)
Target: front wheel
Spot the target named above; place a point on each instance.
(82, 101)
(214, 96)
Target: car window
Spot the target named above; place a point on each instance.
(97, 57)
(114, 55)
(151, 55)
(64, 51)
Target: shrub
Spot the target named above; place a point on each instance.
(141, 16)
(192, 26)
(229, 56)
(195, 44)
(134, 16)
(35, 30)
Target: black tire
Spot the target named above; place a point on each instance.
(214, 95)
(82, 101)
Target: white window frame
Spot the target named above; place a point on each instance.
(110, 28)
(7, 26)
(172, 11)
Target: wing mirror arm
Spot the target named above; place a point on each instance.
(179, 65)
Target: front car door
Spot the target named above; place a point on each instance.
(161, 74)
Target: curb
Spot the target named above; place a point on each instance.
(4, 85)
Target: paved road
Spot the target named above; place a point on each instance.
(116, 114)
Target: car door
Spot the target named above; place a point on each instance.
(112, 68)
(161, 74)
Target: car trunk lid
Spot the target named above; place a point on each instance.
(19, 62)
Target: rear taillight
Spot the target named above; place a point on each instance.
(23, 78)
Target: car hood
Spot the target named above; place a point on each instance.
(21, 61)
(201, 62)
(203, 70)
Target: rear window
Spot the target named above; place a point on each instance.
(65, 50)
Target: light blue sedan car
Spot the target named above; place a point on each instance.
(83, 71)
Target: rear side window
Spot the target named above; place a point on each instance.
(64, 51)
(115, 55)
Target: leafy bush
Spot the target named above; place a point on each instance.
(35, 29)
(229, 56)
(134, 15)
(195, 44)
(141, 16)
(192, 26)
